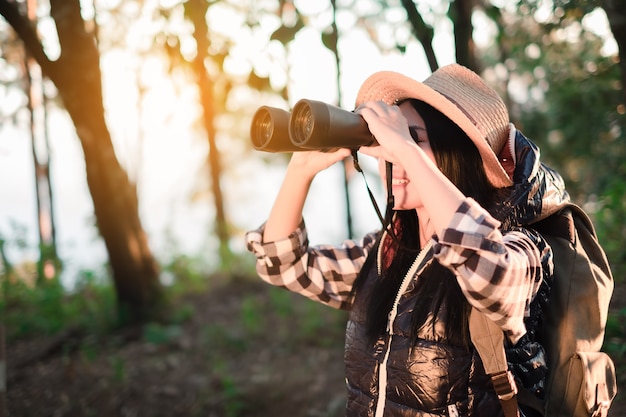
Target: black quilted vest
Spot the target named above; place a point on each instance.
(433, 379)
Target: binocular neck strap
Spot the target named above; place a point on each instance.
(385, 221)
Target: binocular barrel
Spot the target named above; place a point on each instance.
(270, 130)
(312, 125)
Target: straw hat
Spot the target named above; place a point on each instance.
(463, 97)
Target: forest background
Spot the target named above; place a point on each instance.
(158, 311)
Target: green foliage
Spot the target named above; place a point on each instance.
(229, 393)
(282, 302)
(48, 308)
(615, 341)
(219, 339)
(259, 83)
(611, 222)
(564, 8)
(616, 326)
(159, 334)
(265, 317)
(275, 313)
(234, 404)
(251, 315)
(119, 368)
(184, 273)
(181, 313)
(566, 97)
(89, 349)
(316, 323)
(237, 265)
(286, 33)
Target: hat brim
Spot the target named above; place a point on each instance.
(392, 87)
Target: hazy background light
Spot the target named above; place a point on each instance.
(153, 110)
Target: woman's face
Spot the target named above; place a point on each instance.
(405, 196)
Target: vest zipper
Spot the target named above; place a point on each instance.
(382, 369)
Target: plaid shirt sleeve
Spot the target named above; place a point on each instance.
(499, 274)
(322, 273)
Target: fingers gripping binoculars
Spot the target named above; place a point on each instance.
(312, 125)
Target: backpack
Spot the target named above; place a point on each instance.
(581, 379)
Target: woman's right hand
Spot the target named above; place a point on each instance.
(286, 214)
(307, 164)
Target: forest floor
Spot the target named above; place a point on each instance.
(242, 349)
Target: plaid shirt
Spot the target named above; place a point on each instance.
(499, 274)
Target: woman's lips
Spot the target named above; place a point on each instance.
(399, 181)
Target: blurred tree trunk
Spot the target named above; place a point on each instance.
(616, 13)
(48, 264)
(76, 74)
(460, 13)
(331, 41)
(422, 32)
(196, 11)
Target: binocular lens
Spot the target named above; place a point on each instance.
(262, 128)
(269, 130)
(301, 124)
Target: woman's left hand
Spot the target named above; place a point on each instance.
(390, 128)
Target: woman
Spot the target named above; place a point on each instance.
(465, 185)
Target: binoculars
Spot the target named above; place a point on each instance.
(312, 125)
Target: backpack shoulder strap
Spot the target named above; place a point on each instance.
(561, 224)
(488, 339)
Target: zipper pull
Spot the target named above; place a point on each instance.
(453, 411)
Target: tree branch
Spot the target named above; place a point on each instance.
(460, 13)
(422, 31)
(27, 33)
(616, 13)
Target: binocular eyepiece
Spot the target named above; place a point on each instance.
(312, 125)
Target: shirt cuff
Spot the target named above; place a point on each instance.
(278, 252)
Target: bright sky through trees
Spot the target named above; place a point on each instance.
(152, 113)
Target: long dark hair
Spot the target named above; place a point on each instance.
(458, 158)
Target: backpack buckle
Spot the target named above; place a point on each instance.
(504, 385)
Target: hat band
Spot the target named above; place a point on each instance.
(458, 106)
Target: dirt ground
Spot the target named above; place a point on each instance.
(244, 350)
(241, 352)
